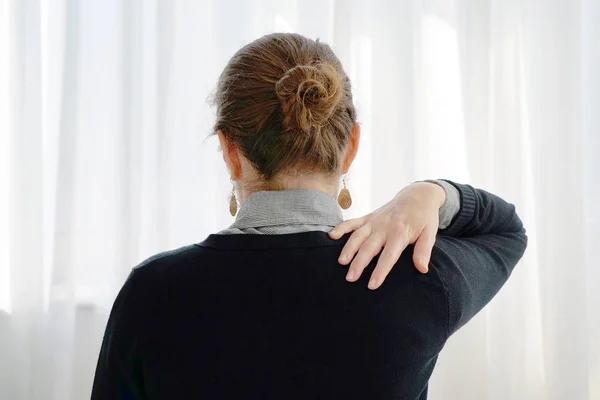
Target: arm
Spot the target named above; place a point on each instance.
(476, 254)
(118, 372)
(482, 212)
(416, 216)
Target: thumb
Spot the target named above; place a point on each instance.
(423, 247)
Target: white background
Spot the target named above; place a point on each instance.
(104, 161)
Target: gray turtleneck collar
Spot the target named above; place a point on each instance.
(286, 211)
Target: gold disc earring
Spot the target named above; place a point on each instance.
(232, 203)
(344, 198)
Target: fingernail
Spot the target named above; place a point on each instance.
(342, 258)
(350, 276)
(373, 283)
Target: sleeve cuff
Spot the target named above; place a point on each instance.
(451, 206)
(468, 202)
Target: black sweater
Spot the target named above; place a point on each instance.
(272, 317)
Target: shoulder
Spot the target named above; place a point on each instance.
(169, 257)
(446, 249)
(448, 256)
(149, 279)
(166, 260)
(153, 274)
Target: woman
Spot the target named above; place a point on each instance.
(261, 310)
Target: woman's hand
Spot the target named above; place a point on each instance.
(411, 217)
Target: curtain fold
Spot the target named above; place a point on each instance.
(108, 162)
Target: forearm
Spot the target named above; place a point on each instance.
(480, 212)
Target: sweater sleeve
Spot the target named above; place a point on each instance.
(476, 254)
(118, 372)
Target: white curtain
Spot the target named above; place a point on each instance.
(104, 161)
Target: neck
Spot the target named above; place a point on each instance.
(313, 182)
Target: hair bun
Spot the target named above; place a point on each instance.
(309, 95)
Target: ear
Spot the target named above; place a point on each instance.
(230, 156)
(352, 148)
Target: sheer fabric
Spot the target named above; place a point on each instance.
(103, 104)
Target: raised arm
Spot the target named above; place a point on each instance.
(476, 254)
(481, 212)
(416, 215)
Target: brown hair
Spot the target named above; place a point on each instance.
(286, 102)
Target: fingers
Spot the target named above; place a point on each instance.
(371, 247)
(346, 226)
(355, 241)
(388, 258)
(423, 247)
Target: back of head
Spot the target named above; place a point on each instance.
(286, 103)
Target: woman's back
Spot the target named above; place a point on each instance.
(282, 323)
(271, 316)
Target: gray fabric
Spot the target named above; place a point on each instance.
(276, 230)
(452, 205)
(295, 211)
(286, 211)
